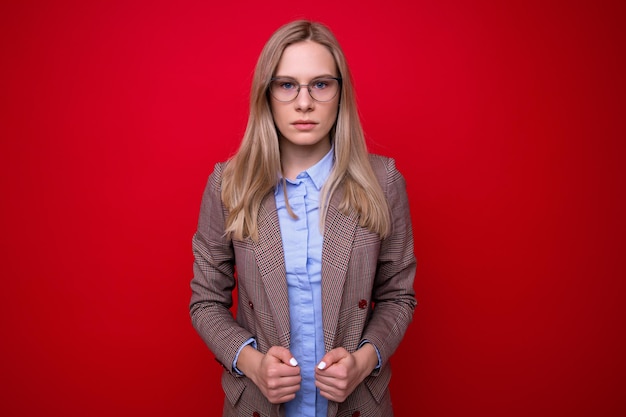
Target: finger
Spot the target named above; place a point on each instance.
(332, 357)
(287, 371)
(283, 355)
(286, 390)
(332, 394)
(336, 391)
(286, 384)
(334, 377)
(282, 397)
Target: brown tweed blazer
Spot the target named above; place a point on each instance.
(367, 290)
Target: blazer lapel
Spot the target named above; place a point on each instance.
(339, 232)
(270, 260)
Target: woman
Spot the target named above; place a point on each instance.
(317, 233)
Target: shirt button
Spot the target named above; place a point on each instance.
(251, 308)
(362, 305)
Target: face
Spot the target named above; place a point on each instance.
(304, 123)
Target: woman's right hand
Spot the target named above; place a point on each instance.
(276, 373)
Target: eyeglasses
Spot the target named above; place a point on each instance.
(320, 89)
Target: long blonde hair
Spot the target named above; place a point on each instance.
(253, 171)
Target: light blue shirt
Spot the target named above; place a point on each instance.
(302, 244)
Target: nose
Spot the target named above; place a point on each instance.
(304, 101)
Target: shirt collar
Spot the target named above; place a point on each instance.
(318, 172)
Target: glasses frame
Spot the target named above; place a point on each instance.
(308, 87)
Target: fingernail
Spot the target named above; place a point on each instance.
(321, 365)
(293, 362)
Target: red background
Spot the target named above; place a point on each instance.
(506, 118)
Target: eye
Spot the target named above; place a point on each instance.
(287, 85)
(320, 84)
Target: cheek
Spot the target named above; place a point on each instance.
(332, 115)
(281, 122)
(277, 115)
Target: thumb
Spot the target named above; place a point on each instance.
(332, 357)
(283, 355)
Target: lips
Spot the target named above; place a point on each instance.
(304, 124)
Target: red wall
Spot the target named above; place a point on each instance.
(507, 119)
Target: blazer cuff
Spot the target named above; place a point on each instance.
(251, 341)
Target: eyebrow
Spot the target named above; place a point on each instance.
(313, 78)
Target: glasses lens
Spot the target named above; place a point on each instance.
(324, 89)
(284, 89)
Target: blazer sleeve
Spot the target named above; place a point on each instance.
(214, 278)
(393, 294)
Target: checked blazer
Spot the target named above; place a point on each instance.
(367, 291)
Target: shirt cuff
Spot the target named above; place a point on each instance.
(380, 361)
(250, 341)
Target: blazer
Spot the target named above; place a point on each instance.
(367, 292)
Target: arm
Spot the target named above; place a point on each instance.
(393, 292)
(214, 278)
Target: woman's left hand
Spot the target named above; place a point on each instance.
(340, 372)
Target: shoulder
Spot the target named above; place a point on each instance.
(219, 167)
(385, 170)
(381, 162)
(215, 179)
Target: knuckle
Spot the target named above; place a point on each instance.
(271, 372)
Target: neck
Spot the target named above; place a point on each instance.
(297, 158)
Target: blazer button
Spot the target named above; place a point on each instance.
(356, 414)
(251, 308)
(256, 414)
(362, 305)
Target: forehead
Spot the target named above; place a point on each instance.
(306, 60)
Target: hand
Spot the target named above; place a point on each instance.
(276, 373)
(340, 372)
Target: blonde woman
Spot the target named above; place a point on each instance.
(315, 234)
